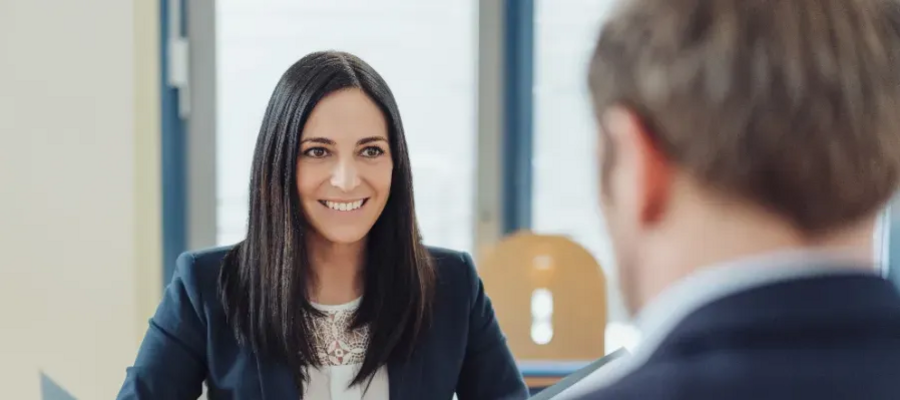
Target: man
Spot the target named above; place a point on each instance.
(746, 148)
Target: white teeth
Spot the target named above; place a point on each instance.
(344, 206)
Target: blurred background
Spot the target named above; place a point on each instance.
(127, 129)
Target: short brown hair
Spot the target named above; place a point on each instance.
(791, 104)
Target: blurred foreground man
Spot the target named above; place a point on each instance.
(746, 148)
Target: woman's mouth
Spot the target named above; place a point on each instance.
(344, 205)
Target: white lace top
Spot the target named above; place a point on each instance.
(341, 353)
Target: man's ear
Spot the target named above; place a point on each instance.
(653, 171)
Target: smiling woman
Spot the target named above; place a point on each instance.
(332, 294)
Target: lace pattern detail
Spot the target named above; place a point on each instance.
(335, 343)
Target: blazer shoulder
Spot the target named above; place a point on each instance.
(207, 261)
(455, 270)
(451, 262)
(197, 272)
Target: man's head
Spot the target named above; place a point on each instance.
(732, 127)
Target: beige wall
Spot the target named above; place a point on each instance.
(79, 177)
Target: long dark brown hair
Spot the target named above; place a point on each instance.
(264, 280)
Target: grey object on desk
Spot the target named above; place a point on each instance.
(576, 376)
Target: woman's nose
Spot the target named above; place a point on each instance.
(345, 176)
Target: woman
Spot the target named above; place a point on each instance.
(332, 294)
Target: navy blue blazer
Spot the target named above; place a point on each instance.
(188, 342)
(835, 338)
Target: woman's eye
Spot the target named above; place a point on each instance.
(316, 152)
(372, 152)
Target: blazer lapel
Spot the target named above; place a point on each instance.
(275, 381)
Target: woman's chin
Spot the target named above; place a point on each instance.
(344, 236)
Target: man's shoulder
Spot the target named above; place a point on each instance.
(738, 372)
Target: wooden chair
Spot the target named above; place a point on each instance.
(525, 265)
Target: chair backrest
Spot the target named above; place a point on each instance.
(520, 271)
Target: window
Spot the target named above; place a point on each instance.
(426, 52)
(564, 170)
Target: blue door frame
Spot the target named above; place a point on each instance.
(174, 156)
(518, 138)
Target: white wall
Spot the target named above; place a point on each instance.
(79, 191)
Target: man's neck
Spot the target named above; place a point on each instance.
(716, 241)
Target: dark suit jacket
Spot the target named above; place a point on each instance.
(189, 341)
(835, 338)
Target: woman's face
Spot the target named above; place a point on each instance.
(344, 166)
